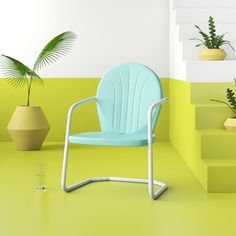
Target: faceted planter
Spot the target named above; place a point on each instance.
(28, 127)
(230, 124)
(213, 54)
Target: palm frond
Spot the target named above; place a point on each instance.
(55, 49)
(17, 73)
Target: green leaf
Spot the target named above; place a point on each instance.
(17, 73)
(206, 38)
(231, 98)
(212, 31)
(198, 45)
(231, 108)
(229, 44)
(55, 49)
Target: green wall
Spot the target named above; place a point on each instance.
(183, 135)
(55, 99)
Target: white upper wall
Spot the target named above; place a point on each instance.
(109, 32)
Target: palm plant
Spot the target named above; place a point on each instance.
(231, 99)
(211, 40)
(18, 74)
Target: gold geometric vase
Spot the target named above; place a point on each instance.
(213, 54)
(28, 127)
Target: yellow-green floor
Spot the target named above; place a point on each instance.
(102, 209)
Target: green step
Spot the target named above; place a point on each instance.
(218, 144)
(221, 175)
(202, 92)
(211, 116)
(198, 134)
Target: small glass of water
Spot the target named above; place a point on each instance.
(40, 182)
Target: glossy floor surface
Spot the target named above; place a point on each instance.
(108, 208)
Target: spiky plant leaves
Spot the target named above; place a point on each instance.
(17, 73)
(211, 41)
(230, 95)
(228, 105)
(219, 40)
(206, 38)
(231, 98)
(225, 42)
(200, 44)
(55, 49)
(212, 31)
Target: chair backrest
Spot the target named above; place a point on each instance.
(124, 95)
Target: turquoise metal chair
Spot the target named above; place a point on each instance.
(129, 99)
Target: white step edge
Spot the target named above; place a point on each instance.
(210, 71)
(204, 3)
(196, 16)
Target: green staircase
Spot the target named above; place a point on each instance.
(198, 134)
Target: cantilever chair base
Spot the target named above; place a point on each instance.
(162, 186)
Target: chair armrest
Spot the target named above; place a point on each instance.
(72, 108)
(82, 102)
(150, 111)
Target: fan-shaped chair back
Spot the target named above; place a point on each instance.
(124, 95)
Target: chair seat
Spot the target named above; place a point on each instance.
(110, 139)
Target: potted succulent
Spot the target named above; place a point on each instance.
(230, 123)
(28, 125)
(212, 42)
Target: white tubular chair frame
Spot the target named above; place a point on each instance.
(150, 181)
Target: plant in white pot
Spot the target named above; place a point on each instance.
(212, 43)
(28, 125)
(230, 123)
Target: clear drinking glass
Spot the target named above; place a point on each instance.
(40, 182)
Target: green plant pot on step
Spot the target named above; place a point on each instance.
(230, 124)
(212, 42)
